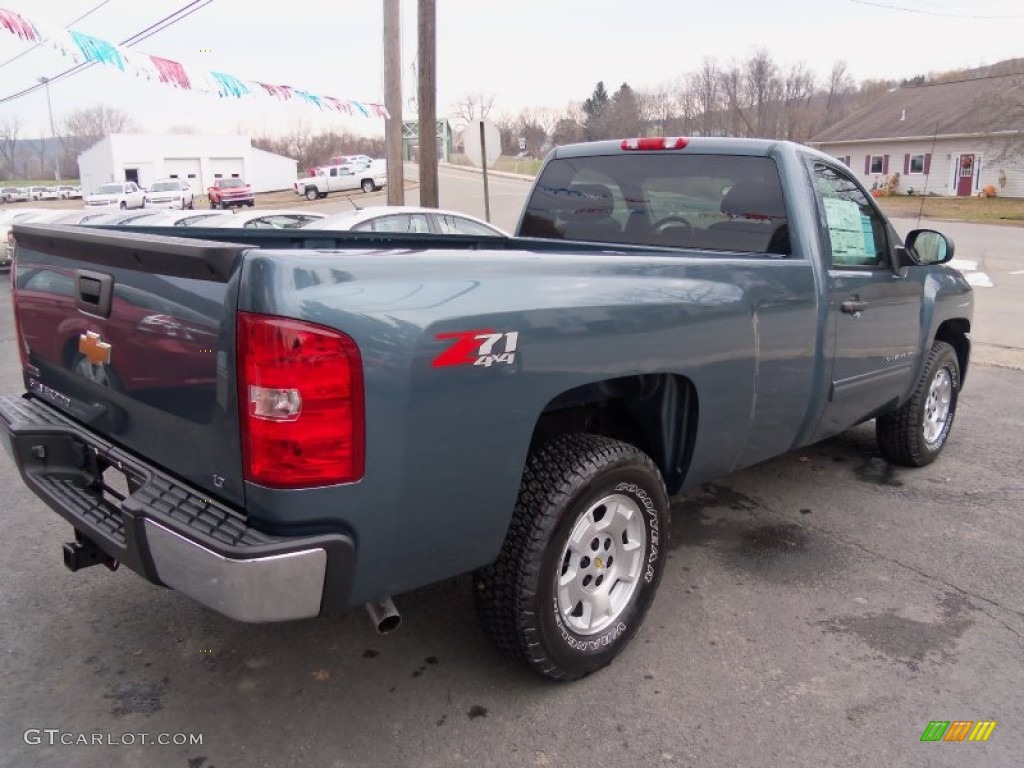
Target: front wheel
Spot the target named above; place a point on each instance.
(582, 558)
(915, 434)
(368, 186)
(312, 193)
(124, 206)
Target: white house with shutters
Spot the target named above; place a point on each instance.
(200, 160)
(956, 138)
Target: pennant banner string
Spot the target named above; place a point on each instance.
(80, 47)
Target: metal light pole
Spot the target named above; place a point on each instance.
(53, 131)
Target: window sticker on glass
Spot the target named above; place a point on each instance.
(848, 230)
(869, 234)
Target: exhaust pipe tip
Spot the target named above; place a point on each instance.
(384, 615)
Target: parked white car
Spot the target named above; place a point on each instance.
(41, 193)
(186, 218)
(408, 219)
(14, 195)
(69, 193)
(117, 194)
(340, 178)
(277, 219)
(169, 193)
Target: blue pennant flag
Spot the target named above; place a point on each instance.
(94, 49)
(229, 85)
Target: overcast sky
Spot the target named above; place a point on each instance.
(525, 53)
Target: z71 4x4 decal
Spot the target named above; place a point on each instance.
(480, 347)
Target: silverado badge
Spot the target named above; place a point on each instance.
(96, 350)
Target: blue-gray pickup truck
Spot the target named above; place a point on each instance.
(281, 423)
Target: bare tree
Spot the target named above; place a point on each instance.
(657, 108)
(312, 149)
(734, 97)
(10, 127)
(706, 88)
(797, 91)
(84, 127)
(763, 88)
(471, 107)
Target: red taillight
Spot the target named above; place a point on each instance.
(655, 142)
(300, 393)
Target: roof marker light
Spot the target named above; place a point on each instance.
(655, 142)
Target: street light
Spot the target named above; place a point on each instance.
(53, 131)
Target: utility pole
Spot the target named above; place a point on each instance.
(53, 131)
(393, 101)
(427, 101)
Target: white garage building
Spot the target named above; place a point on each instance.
(144, 158)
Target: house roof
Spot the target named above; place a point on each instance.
(980, 105)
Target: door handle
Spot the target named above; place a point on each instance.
(854, 306)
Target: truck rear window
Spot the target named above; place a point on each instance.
(711, 202)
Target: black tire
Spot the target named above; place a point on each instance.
(368, 186)
(124, 206)
(312, 193)
(565, 487)
(251, 203)
(903, 435)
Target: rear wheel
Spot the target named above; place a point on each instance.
(915, 434)
(582, 558)
(124, 205)
(368, 186)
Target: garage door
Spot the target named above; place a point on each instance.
(186, 168)
(227, 167)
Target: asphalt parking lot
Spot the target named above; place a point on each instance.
(818, 609)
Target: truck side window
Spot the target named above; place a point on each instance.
(855, 230)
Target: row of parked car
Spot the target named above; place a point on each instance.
(32, 194)
(395, 219)
(169, 193)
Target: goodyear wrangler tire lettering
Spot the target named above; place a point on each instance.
(581, 560)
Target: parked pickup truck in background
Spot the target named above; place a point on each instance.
(228, 192)
(306, 419)
(340, 178)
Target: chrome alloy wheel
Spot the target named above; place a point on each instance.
(936, 407)
(601, 564)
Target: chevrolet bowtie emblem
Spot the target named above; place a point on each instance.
(96, 350)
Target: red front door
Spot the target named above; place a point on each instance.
(965, 176)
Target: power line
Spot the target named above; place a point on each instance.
(170, 20)
(90, 12)
(943, 14)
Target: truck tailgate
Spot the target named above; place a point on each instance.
(133, 336)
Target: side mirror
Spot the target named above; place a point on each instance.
(926, 246)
